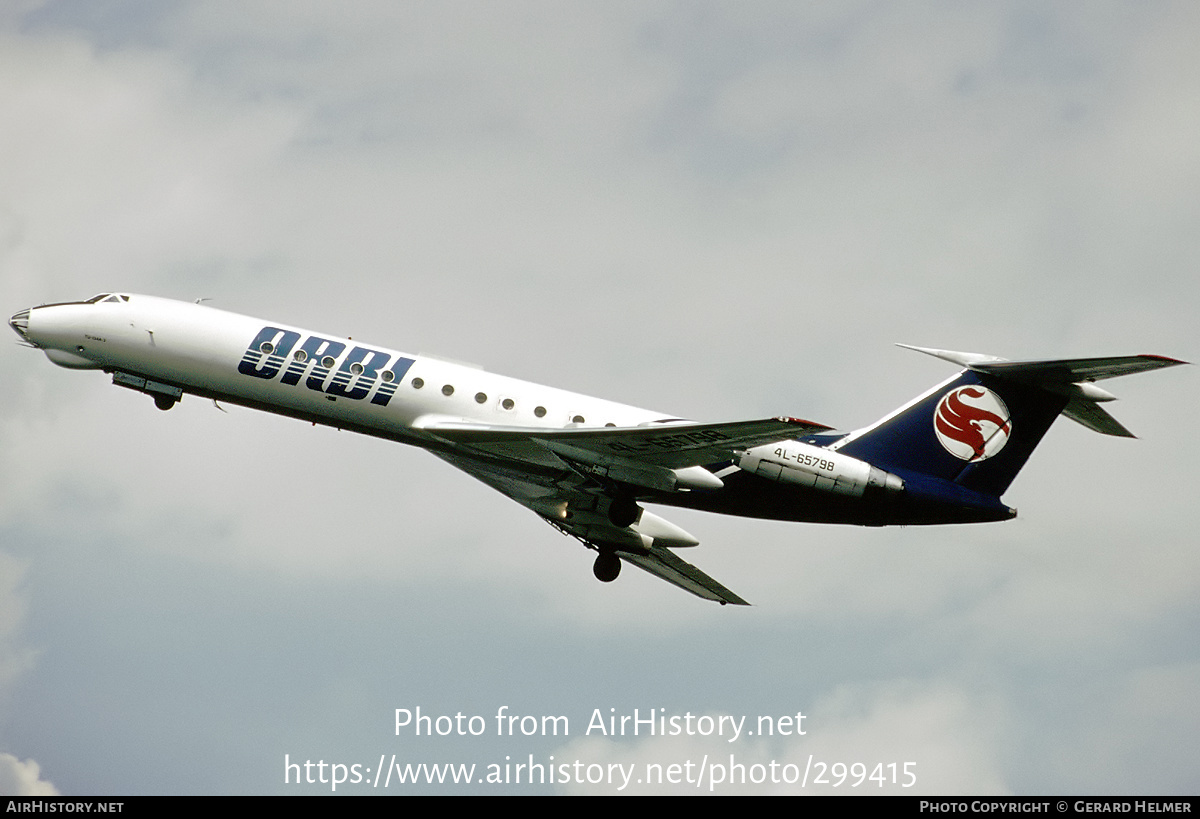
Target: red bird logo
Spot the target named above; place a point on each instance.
(972, 423)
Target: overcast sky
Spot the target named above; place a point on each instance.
(719, 211)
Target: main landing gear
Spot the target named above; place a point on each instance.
(623, 511)
(607, 567)
(165, 395)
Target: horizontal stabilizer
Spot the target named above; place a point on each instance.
(1058, 371)
(1071, 377)
(1072, 370)
(1095, 418)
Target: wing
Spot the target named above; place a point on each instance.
(585, 482)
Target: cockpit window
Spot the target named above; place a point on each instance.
(101, 297)
(107, 297)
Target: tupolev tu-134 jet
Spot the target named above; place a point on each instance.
(587, 465)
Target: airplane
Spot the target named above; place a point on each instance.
(586, 465)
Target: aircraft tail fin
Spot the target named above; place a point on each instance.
(978, 428)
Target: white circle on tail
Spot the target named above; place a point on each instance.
(972, 423)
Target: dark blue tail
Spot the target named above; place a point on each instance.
(978, 429)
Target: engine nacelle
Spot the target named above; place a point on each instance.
(808, 465)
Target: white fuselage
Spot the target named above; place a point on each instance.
(338, 381)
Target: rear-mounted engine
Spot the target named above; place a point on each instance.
(807, 465)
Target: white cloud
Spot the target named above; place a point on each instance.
(23, 778)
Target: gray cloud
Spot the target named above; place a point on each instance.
(718, 214)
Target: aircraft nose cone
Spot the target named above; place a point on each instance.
(20, 324)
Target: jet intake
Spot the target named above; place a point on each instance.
(807, 465)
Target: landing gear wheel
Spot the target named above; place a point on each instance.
(164, 402)
(623, 511)
(607, 567)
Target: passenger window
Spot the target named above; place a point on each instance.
(480, 397)
(448, 390)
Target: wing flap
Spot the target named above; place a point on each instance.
(665, 564)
